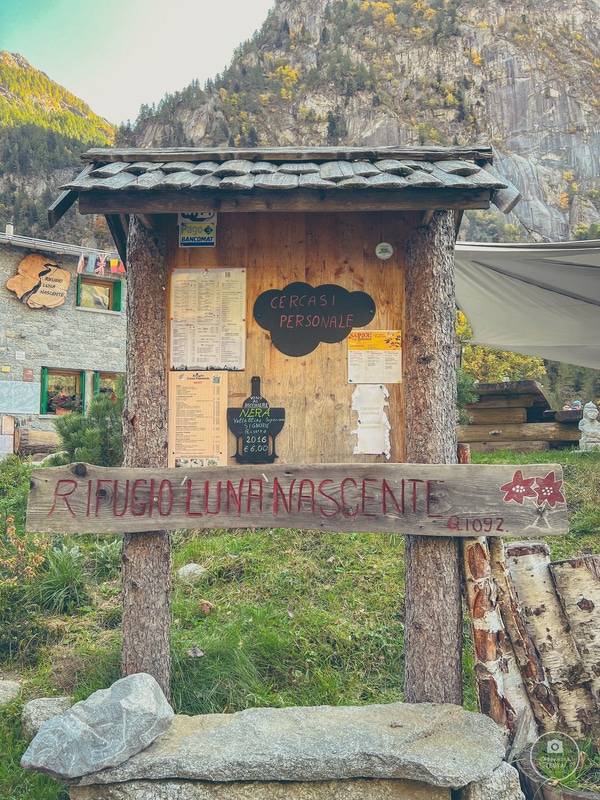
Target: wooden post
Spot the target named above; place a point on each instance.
(433, 610)
(146, 557)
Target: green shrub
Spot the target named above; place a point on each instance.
(466, 393)
(95, 437)
(62, 585)
(14, 486)
(23, 631)
(106, 559)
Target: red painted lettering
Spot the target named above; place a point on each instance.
(365, 496)
(188, 502)
(414, 482)
(322, 512)
(237, 498)
(432, 498)
(62, 495)
(161, 492)
(100, 493)
(252, 496)
(343, 498)
(277, 492)
(151, 496)
(310, 497)
(386, 490)
(137, 510)
(115, 498)
(206, 493)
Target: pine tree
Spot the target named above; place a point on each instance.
(95, 437)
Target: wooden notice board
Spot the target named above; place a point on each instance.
(278, 249)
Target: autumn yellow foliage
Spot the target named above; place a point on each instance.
(486, 364)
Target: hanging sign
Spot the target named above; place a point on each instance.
(299, 317)
(40, 282)
(424, 499)
(255, 427)
(197, 229)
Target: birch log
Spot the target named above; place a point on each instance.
(543, 702)
(545, 621)
(577, 582)
(500, 687)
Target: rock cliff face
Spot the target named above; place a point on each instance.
(521, 75)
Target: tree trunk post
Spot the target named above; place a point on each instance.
(433, 604)
(146, 557)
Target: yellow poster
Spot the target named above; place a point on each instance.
(197, 419)
(375, 356)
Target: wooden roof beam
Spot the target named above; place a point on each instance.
(118, 224)
(173, 202)
(105, 155)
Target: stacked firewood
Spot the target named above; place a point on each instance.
(536, 634)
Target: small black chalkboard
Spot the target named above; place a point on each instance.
(300, 316)
(255, 427)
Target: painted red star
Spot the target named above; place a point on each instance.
(519, 488)
(549, 490)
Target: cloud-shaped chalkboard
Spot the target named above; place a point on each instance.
(300, 316)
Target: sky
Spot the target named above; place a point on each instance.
(116, 55)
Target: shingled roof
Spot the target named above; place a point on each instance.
(170, 180)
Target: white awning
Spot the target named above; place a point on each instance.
(537, 299)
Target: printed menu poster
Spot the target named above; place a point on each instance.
(197, 419)
(375, 357)
(208, 319)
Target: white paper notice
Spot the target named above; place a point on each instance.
(373, 429)
(208, 319)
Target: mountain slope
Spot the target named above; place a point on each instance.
(43, 130)
(521, 75)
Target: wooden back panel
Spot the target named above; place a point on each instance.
(339, 248)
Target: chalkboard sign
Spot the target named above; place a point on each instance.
(255, 427)
(299, 317)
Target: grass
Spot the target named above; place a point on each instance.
(283, 617)
(14, 782)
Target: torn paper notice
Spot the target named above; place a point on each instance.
(373, 429)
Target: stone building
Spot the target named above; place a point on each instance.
(63, 330)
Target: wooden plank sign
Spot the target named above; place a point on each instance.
(431, 500)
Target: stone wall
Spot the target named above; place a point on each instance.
(65, 337)
(125, 743)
